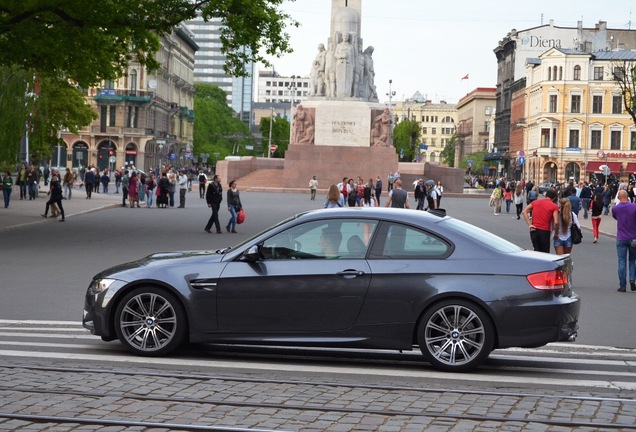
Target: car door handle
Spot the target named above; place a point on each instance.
(349, 274)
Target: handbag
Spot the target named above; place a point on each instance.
(240, 217)
(577, 235)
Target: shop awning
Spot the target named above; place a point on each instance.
(631, 168)
(593, 166)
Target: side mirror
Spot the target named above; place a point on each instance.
(251, 254)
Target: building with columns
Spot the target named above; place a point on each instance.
(144, 118)
(575, 121)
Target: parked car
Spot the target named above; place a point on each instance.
(352, 278)
(544, 187)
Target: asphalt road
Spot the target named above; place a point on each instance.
(47, 266)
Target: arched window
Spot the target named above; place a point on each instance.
(554, 73)
(577, 73)
(560, 73)
(133, 80)
(549, 74)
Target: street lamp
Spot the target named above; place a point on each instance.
(390, 94)
(160, 144)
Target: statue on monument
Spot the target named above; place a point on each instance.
(369, 89)
(345, 64)
(330, 70)
(381, 130)
(303, 127)
(318, 73)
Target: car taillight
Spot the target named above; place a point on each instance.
(555, 280)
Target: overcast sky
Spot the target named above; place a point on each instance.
(428, 46)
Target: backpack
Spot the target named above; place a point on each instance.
(203, 178)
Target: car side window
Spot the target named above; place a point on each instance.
(325, 239)
(405, 242)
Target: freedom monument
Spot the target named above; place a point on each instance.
(341, 128)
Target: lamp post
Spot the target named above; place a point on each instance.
(160, 144)
(390, 94)
(271, 126)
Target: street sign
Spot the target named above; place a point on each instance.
(273, 148)
(522, 160)
(605, 170)
(112, 159)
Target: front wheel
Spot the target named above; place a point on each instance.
(150, 321)
(455, 335)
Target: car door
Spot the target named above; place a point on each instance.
(300, 283)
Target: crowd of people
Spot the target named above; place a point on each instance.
(360, 193)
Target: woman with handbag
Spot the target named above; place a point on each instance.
(563, 231)
(233, 206)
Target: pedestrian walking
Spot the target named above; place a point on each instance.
(234, 205)
(21, 181)
(563, 231)
(133, 189)
(89, 180)
(625, 214)
(586, 198)
(56, 195)
(68, 183)
(172, 188)
(545, 216)
(313, 187)
(495, 198)
(508, 198)
(7, 188)
(378, 189)
(420, 194)
(398, 197)
(214, 197)
(596, 212)
(203, 179)
(183, 188)
(439, 190)
(150, 189)
(125, 181)
(517, 198)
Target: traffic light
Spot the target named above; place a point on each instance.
(111, 153)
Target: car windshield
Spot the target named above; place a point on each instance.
(487, 238)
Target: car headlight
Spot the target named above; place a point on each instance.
(98, 286)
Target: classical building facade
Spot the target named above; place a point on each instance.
(437, 121)
(518, 46)
(474, 115)
(575, 118)
(144, 119)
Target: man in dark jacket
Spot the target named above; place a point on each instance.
(89, 180)
(420, 194)
(214, 196)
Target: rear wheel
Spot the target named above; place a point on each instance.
(455, 335)
(150, 321)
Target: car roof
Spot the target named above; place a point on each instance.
(398, 214)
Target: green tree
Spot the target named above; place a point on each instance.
(624, 74)
(88, 41)
(478, 162)
(280, 135)
(406, 138)
(216, 129)
(448, 153)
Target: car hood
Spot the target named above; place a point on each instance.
(162, 260)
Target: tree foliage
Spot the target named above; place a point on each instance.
(88, 41)
(406, 138)
(624, 74)
(217, 130)
(478, 162)
(280, 135)
(447, 155)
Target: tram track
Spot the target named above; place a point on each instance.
(432, 406)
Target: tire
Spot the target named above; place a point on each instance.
(455, 335)
(150, 321)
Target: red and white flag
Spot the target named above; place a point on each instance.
(465, 77)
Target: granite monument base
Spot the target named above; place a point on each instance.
(331, 163)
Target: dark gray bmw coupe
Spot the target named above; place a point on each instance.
(355, 278)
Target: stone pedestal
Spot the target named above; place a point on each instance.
(331, 163)
(343, 134)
